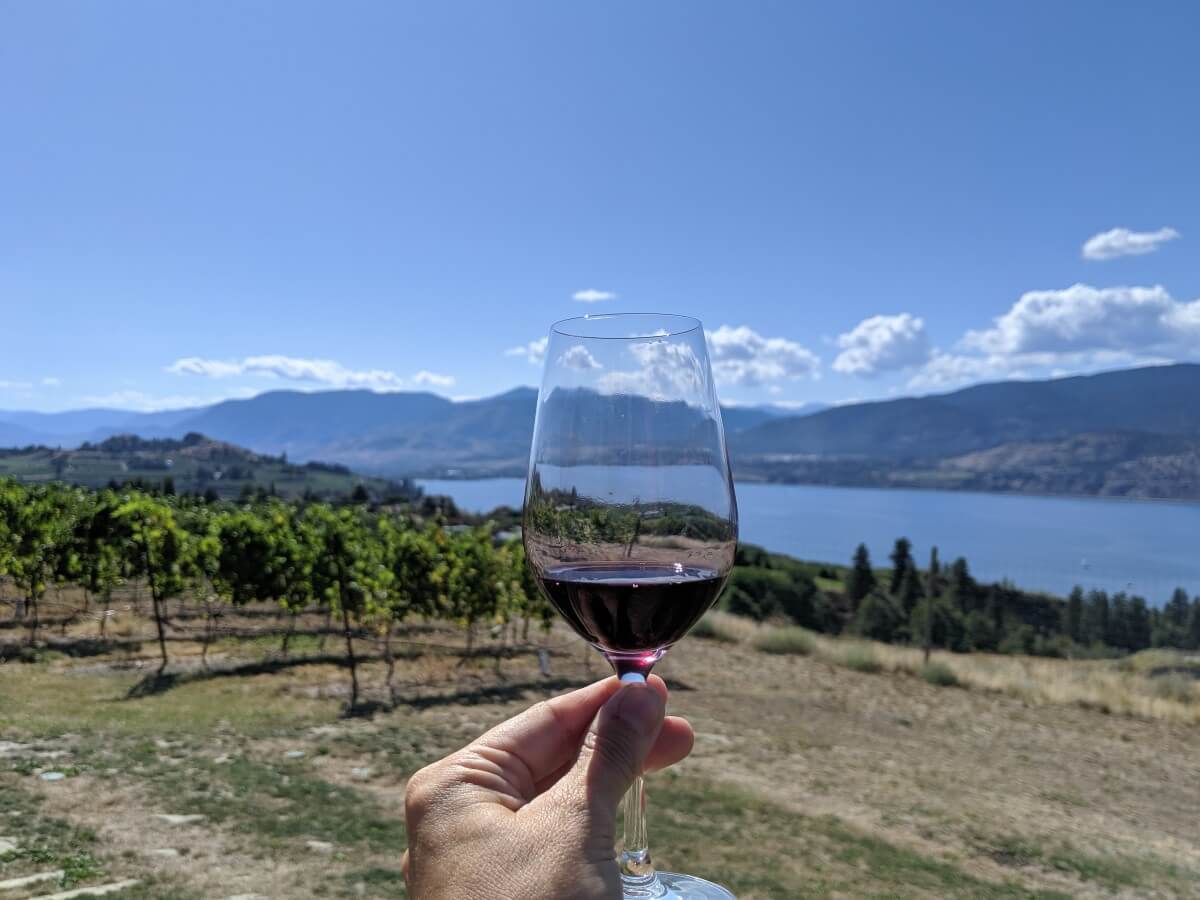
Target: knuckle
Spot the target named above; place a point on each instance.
(421, 791)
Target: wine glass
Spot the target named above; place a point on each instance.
(630, 522)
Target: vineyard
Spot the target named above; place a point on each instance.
(225, 699)
(357, 572)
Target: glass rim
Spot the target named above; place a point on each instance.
(682, 325)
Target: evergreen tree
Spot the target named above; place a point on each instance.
(1157, 637)
(1074, 615)
(1191, 634)
(1094, 627)
(1118, 634)
(963, 589)
(932, 589)
(1175, 614)
(901, 563)
(1139, 624)
(861, 580)
(936, 623)
(911, 590)
(1175, 610)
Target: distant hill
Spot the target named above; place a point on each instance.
(385, 433)
(1154, 400)
(1133, 432)
(194, 464)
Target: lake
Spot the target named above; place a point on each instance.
(1044, 543)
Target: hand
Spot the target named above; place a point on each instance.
(529, 810)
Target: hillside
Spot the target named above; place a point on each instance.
(835, 770)
(1133, 432)
(1158, 400)
(194, 464)
(387, 433)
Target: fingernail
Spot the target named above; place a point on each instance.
(638, 705)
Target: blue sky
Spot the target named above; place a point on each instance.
(206, 200)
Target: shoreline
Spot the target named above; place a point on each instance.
(766, 482)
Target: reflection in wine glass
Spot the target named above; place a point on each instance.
(630, 520)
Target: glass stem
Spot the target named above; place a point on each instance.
(638, 878)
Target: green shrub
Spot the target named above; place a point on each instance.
(1018, 639)
(940, 674)
(1175, 686)
(878, 618)
(788, 640)
(709, 629)
(860, 658)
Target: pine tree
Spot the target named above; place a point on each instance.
(963, 589)
(1118, 622)
(901, 563)
(911, 590)
(931, 590)
(1176, 610)
(1074, 615)
(1139, 624)
(1175, 615)
(934, 582)
(1191, 639)
(1094, 626)
(861, 580)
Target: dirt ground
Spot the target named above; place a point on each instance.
(807, 780)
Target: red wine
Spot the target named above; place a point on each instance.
(631, 611)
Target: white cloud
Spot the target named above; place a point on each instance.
(1071, 331)
(15, 385)
(324, 372)
(743, 357)
(591, 295)
(212, 368)
(425, 377)
(882, 344)
(578, 357)
(140, 401)
(534, 351)
(668, 370)
(1083, 319)
(945, 370)
(51, 381)
(1123, 242)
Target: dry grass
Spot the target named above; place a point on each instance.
(787, 640)
(727, 628)
(1155, 684)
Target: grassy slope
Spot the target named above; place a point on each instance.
(809, 779)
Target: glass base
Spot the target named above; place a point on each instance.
(673, 886)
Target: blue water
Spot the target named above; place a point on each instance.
(1042, 543)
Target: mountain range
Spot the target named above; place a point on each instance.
(1128, 432)
(386, 433)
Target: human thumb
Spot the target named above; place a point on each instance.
(615, 748)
